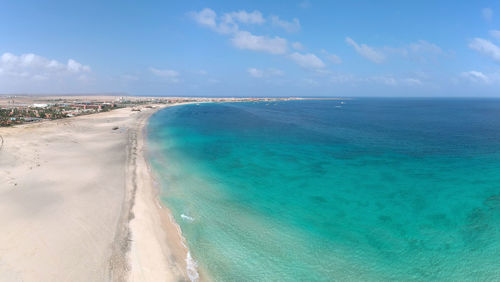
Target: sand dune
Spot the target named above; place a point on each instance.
(68, 190)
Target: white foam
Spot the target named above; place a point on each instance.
(187, 217)
(191, 266)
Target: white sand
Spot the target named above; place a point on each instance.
(68, 190)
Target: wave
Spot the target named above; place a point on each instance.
(191, 264)
(187, 217)
(191, 267)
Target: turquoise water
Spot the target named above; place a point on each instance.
(368, 190)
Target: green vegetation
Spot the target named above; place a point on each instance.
(18, 115)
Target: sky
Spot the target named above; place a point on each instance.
(251, 48)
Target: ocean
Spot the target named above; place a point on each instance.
(368, 189)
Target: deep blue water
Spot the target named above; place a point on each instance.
(368, 190)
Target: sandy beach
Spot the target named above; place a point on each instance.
(78, 203)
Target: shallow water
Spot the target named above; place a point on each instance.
(372, 189)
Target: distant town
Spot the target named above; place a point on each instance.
(29, 108)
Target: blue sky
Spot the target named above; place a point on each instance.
(251, 48)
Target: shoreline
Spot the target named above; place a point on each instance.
(79, 203)
(158, 251)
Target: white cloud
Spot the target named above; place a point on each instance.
(170, 75)
(487, 14)
(366, 51)
(205, 17)
(486, 47)
(308, 61)
(258, 73)
(297, 46)
(421, 51)
(332, 57)
(423, 46)
(293, 26)
(228, 22)
(227, 25)
(246, 40)
(417, 49)
(37, 67)
(254, 17)
(35, 74)
(495, 34)
(255, 72)
(476, 76)
(74, 66)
